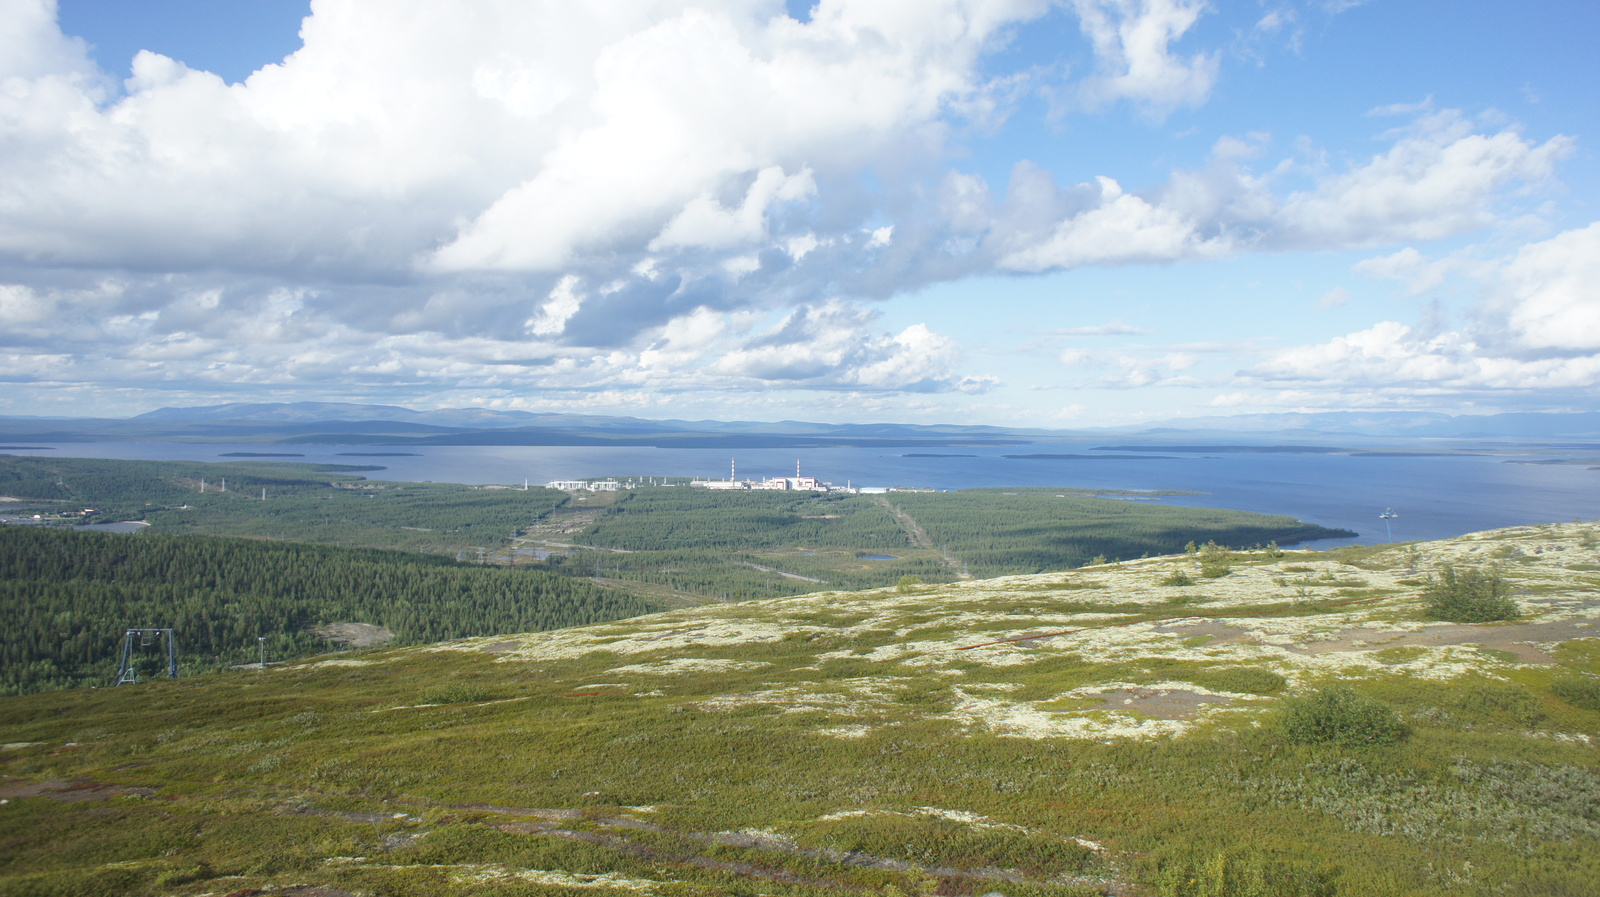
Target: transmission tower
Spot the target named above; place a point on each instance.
(129, 672)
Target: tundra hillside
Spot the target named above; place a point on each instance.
(1215, 723)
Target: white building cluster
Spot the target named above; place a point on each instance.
(796, 483)
(585, 485)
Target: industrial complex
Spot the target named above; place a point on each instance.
(796, 483)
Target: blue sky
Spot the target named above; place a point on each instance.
(1016, 212)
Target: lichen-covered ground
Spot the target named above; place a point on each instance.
(1303, 615)
(1097, 731)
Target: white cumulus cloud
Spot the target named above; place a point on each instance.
(432, 195)
(1553, 289)
(1538, 331)
(1133, 42)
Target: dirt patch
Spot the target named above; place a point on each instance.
(293, 891)
(1513, 638)
(1159, 703)
(356, 635)
(69, 790)
(1221, 633)
(564, 523)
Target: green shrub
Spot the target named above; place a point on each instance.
(1244, 873)
(1215, 561)
(183, 875)
(1470, 596)
(1178, 578)
(1489, 701)
(1340, 716)
(1579, 691)
(454, 693)
(1240, 680)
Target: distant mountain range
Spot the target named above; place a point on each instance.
(323, 423)
(1396, 423)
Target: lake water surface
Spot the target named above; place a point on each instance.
(1436, 497)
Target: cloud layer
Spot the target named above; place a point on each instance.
(513, 198)
(1537, 332)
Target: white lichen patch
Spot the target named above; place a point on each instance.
(339, 662)
(972, 820)
(494, 873)
(846, 731)
(685, 631)
(487, 873)
(676, 665)
(1304, 615)
(853, 698)
(1024, 720)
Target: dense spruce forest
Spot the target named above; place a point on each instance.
(716, 542)
(999, 532)
(69, 596)
(678, 519)
(739, 545)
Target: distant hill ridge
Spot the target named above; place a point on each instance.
(312, 422)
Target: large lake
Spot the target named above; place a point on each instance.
(1436, 497)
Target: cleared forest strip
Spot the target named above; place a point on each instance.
(765, 569)
(919, 537)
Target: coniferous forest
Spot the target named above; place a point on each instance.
(69, 596)
(325, 545)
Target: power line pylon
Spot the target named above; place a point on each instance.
(129, 672)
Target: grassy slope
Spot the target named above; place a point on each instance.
(860, 740)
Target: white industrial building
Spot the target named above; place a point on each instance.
(796, 483)
(584, 485)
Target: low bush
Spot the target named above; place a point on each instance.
(454, 693)
(1495, 703)
(1340, 716)
(1215, 561)
(1579, 691)
(1240, 680)
(1245, 873)
(1470, 596)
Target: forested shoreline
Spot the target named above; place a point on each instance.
(326, 545)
